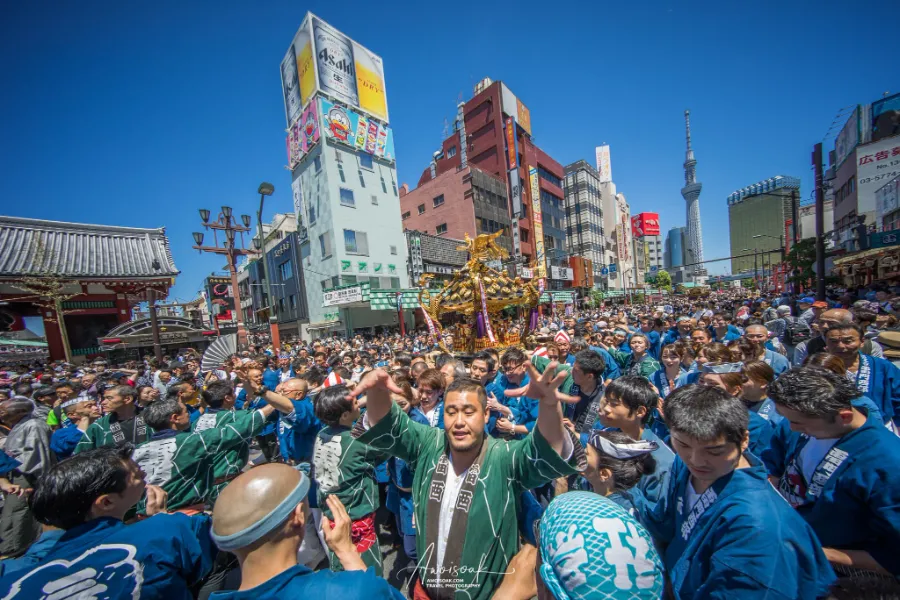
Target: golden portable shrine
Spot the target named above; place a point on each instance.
(477, 295)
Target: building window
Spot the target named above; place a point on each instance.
(348, 279)
(325, 244)
(406, 215)
(421, 209)
(394, 248)
(317, 163)
(312, 214)
(374, 283)
(365, 161)
(356, 242)
(395, 283)
(326, 284)
(281, 305)
(285, 271)
(292, 299)
(334, 281)
(523, 235)
(438, 201)
(341, 173)
(347, 198)
(374, 200)
(383, 186)
(451, 152)
(362, 180)
(442, 228)
(394, 185)
(548, 176)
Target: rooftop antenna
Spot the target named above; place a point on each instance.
(446, 128)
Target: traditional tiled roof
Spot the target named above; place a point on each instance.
(37, 247)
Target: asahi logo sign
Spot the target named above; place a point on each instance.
(334, 59)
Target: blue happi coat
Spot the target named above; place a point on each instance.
(732, 333)
(761, 431)
(241, 403)
(879, 379)
(739, 540)
(853, 499)
(301, 582)
(778, 362)
(766, 409)
(661, 383)
(524, 409)
(158, 558)
(297, 431)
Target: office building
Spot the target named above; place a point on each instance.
(492, 132)
(344, 182)
(584, 216)
(435, 255)
(760, 217)
(458, 203)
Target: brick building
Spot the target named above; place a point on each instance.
(479, 149)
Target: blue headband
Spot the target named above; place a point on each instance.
(264, 526)
(723, 368)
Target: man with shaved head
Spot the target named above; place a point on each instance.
(821, 325)
(759, 335)
(261, 518)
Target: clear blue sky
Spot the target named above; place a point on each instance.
(139, 113)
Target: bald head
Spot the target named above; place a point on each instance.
(252, 496)
(295, 384)
(837, 315)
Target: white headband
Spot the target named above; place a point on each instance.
(620, 451)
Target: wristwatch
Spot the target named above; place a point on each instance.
(262, 391)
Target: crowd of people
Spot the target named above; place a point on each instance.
(726, 446)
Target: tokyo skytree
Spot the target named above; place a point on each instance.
(691, 194)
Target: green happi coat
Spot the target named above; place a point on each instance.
(100, 435)
(228, 463)
(345, 467)
(184, 463)
(509, 468)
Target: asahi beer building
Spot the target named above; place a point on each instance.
(341, 154)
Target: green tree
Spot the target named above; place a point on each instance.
(664, 281)
(801, 260)
(748, 284)
(596, 298)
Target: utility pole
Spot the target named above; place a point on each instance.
(267, 189)
(820, 222)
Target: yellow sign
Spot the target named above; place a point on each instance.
(306, 72)
(370, 82)
(540, 269)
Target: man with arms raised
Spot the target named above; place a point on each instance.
(120, 423)
(466, 484)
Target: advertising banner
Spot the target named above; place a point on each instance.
(887, 200)
(353, 129)
(604, 166)
(221, 301)
(512, 146)
(303, 135)
(621, 246)
(645, 224)
(561, 273)
(876, 164)
(297, 192)
(290, 86)
(347, 71)
(513, 107)
(515, 192)
(847, 139)
(342, 296)
(537, 224)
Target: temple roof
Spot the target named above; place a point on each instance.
(36, 247)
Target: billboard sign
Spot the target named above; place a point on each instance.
(348, 127)
(876, 164)
(331, 63)
(290, 86)
(645, 224)
(604, 166)
(537, 224)
(303, 135)
(221, 301)
(342, 296)
(512, 148)
(847, 139)
(887, 200)
(561, 273)
(513, 107)
(885, 117)
(613, 268)
(515, 192)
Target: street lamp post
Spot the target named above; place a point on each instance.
(267, 189)
(781, 247)
(154, 321)
(228, 223)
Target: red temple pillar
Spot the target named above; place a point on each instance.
(54, 338)
(123, 310)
